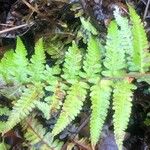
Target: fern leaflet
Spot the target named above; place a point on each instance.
(122, 107)
(114, 61)
(100, 95)
(24, 105)
(72, 64)
(125, 34)
(37, 66)
(91, 64)
(140, 60)
(71, 107)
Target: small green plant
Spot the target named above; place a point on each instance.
(103, 73)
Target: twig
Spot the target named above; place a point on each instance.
(31, 7)
(146, 9)
(14, 28)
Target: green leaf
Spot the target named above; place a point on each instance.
(122, 103)
(114, 61)
(37, 65)
(71, 107)
(72, 65)
(141, 57)
(92, 62)
(100, 95)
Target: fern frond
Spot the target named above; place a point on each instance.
(20, 62)
(39, 139)
(92, 64)
(24, 105)
(125, 34)
(88, 26)
(7, 66)
(72, 64)
(56, 99)
(71, 107)
(55, 47)
(114, 61)
(141, 57)
(37, 65)
(14, 64)
(51, 74)
(122, 106)
(100, 95)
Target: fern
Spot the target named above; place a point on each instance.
(24, 105)
(37, 66)
(114, 53)
(65, 87)
(71, 107)
(122, 98)
(140, 59)
(72, 64)
(91, 64)
(125, 34)
(38, 138)
(56, 99)
(20, 62)
(100, 95)
(88, 26)
(14, 65)
(7, 66)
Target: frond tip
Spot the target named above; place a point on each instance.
(122, 107)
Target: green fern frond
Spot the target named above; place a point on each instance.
(88, 26)
(51, 74)
(37, 65)
(71, 107)
(56, 99)
(114, 61)
(55, 46)
(72, 64)
(20, 62)
(100, 95)
(92, 64)
(39, 139)
(7, 66)
(122, 104)
(140, 59)
(125, 34)
(24, 105)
